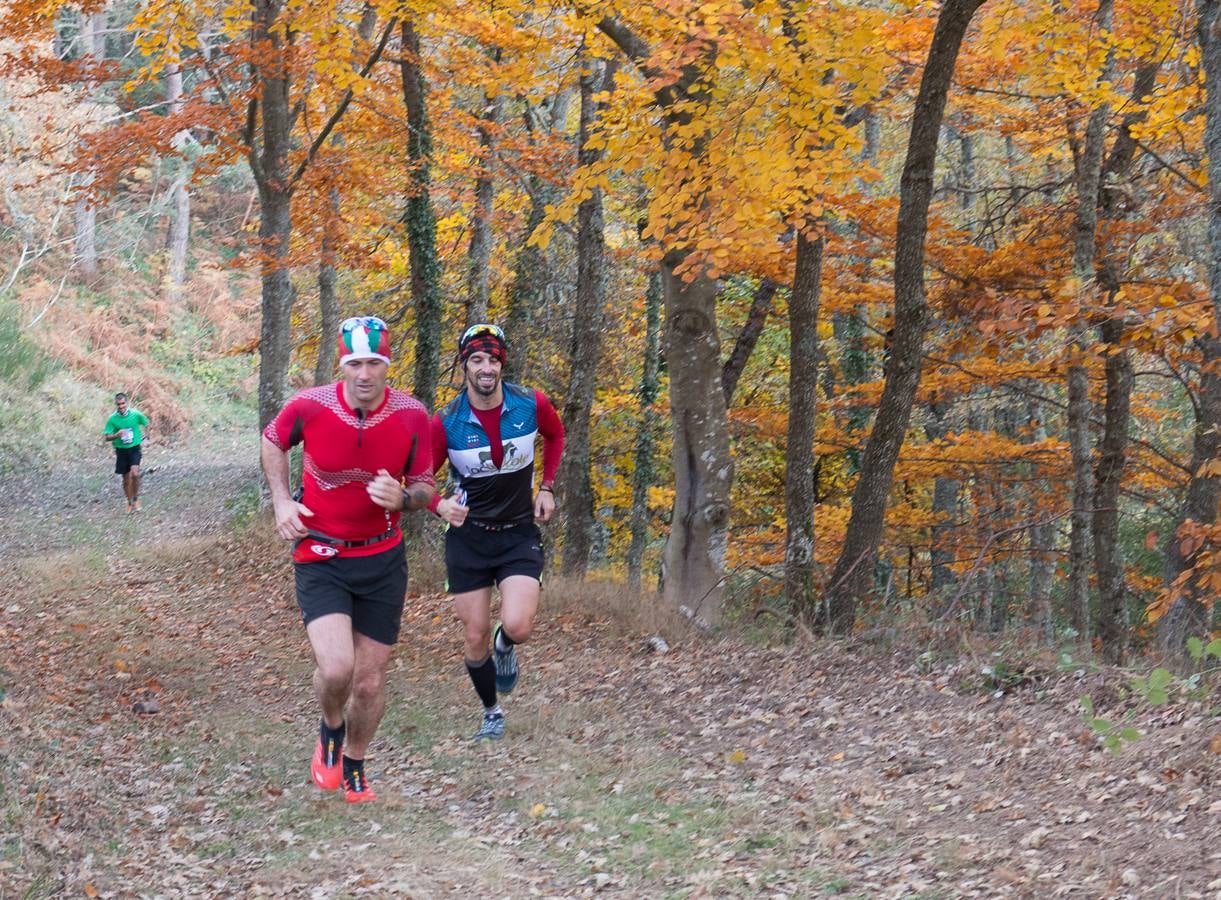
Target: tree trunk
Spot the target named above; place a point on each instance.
(328, 303)
(269, 163)
(586, 347)
(93, 47)
(804, 354)
(644, 473)
(532, 274)
(1042, 545)
(748, 337)
(478, 278)
(855, 563)
(694, 557)
(1191, 592)
(1108, 561)
(421, 223)
(1089, 177)
(180, 223)
(945, 509)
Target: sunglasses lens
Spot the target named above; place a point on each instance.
(476, 330)
(363, 322)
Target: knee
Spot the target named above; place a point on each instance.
(519, 627)
(477, 637)
(135, 471)
(335, 673)
(368, 686)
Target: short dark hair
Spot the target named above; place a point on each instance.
(120, 396)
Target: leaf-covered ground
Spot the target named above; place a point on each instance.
(156, 727)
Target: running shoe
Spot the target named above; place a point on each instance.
(493, 727)
(135, 506)
(506, 665)
(131, 507)
(326, 768)
(356, 789)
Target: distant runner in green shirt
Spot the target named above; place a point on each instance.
(125, 429)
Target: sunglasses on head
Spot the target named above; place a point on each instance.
(362, 322)
(478, 331)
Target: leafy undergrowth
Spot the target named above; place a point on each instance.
(157, 720)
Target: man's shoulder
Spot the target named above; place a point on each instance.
(397, 400)
(320, 395)
(518, 390)
(453, 406)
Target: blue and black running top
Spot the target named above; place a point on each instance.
(491, 452)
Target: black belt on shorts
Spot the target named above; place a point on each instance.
(347, 545)
(496, 526)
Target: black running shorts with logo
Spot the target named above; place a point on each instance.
(367, 589)
(477, 558)
(125, 458)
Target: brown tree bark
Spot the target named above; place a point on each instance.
(803, 411)
(268, 156)
(328, 303)
(855, 563)
(1191, 598)
(585, 350)
(748, 337)
(1089, 177)
(421, 222)
(532, 275)
(479, 254)
(267, 136)
(643, 473)
(1108, 562)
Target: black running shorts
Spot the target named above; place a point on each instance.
(367, 589)
(477, 558)
(125, 458)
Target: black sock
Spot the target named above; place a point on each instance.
(483, 676)
(333, 737)
(503, 638)
(352, 768)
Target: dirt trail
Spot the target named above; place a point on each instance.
(713, 770)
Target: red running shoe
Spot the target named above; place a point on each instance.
(326, 768)
(357, 790)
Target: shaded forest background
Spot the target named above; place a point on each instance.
(856, 313)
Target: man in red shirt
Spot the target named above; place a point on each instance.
(487, 434)
(366, 459)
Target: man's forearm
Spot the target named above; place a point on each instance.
(275, 469)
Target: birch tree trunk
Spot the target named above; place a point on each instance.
(93, 48)
(180, 223)
(855, 563)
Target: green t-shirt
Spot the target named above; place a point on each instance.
(133, 422)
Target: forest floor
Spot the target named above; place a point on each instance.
(156, 726)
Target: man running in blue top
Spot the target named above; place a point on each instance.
(487, 434)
